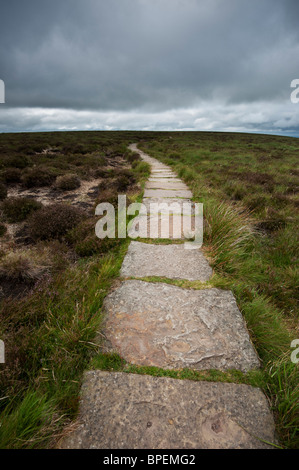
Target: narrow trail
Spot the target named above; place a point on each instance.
(162, 325)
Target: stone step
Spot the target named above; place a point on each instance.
(176, 203)
(168, 193)
(174, 184)
(157, 324)
(128, 411)
(174, 227)
(163, 175)
(170, 261)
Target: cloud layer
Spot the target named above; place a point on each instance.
(179, 64)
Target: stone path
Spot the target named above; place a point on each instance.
(162, 325)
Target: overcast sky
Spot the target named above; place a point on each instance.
(223, 65)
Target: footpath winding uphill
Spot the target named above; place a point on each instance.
(162, 325)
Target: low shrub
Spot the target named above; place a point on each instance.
(11, 175)
(19, 208)
(133, 157)
(107, 195)
(38, 177)
(142, 169)
(53, 221)
(3, 191)
(18, 161)
(3, 230)
(85, 241)
(122, 183)
(68, 182)
(103, 173)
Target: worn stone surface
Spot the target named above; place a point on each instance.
(167, 193)
(175, 204)
(157, 324)
(171, 261)
(127, 411)
(176, 227)
(174, 184)
(163, 176)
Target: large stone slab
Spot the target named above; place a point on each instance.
(174, 184)
(163, 175)
(127, 411)
(171, 261)
(165, 226)
(166, 180)
(155, 205)
(167, 193)
(157, 324)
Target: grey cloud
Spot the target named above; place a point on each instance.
(147, 55)
(119, 55)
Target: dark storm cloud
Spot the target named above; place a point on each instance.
(146, 55)
(154, 53)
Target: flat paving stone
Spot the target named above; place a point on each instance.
(170, 226)
(128, 411)
(155, 205)
(163, 176)
(166, 180)
(174, 184)
(171, 261)
(167, 193)
(156, 324)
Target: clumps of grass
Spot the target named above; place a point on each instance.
(3, 191)
(18, 209)
(228, 232)
(53, 222)
(283, 387)
(141, 169)
(235, 190)
(26, 266)
(255, 202)
(173, 155)
(35, 415)
(68, 182)
(37, 177)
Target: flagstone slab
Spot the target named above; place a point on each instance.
(163, 176)
(130, 411)
(174, 184)
(171, 261)
(155, 205)
(166, 180)
(165, 226)
(167, 193)
(157, 324)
